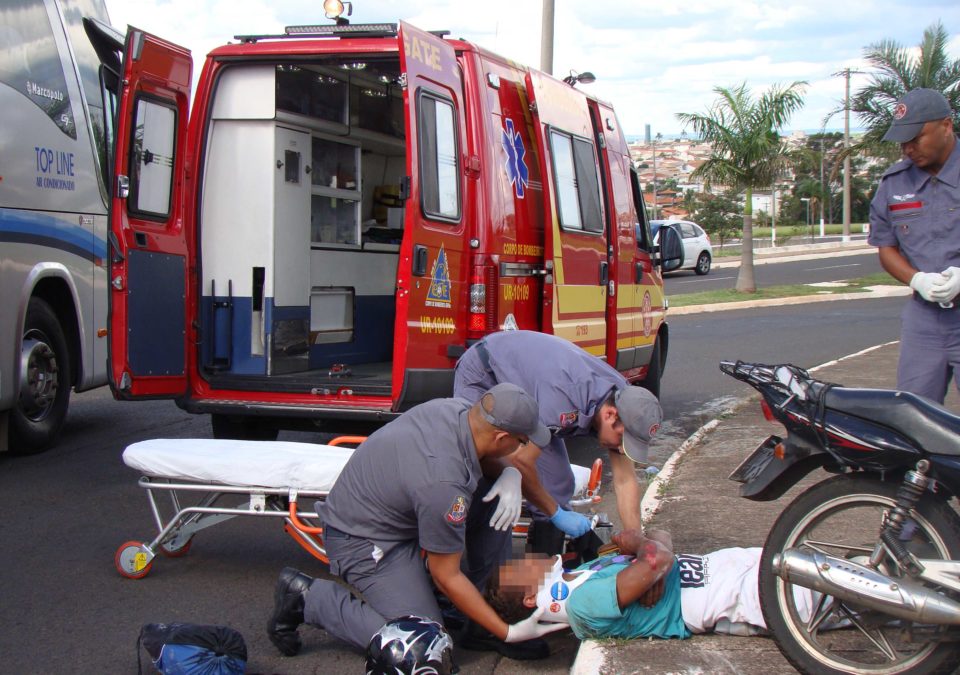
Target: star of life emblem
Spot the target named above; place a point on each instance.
(512, 144)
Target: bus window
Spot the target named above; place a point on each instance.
(30, 64)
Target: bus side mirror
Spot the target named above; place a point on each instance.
(671, 248)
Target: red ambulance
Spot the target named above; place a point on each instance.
(347, 209)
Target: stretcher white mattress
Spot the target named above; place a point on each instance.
(269, 464)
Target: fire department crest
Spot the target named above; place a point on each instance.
(438, 295)
(458, 510)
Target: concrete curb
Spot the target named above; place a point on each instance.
(591, 655)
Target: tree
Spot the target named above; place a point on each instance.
(718, 215)
(899, 69)
(747, 149)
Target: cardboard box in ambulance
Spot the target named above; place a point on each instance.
(347, 209)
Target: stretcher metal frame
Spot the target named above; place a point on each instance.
(134, 559)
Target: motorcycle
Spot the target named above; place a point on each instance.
(878, 543)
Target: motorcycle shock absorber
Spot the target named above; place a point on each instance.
(911, 489)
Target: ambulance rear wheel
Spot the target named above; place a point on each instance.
(654, 371)
(242, 428)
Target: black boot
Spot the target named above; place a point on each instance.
(477, 638)
(288, 599)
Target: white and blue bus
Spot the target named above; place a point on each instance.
(55, 143)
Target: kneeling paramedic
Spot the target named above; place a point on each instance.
(407, 489)
(578, 394)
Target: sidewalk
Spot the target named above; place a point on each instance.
(694, 500)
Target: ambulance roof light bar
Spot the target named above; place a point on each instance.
(327, 30)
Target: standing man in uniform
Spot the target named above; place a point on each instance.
(915, 222)
(408, 488)
(578, 394)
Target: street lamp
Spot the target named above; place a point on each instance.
(806, 200)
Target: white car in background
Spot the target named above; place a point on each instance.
(697, 250)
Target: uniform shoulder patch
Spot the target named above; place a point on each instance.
(457, 512)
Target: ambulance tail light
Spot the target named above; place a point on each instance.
(482, 318)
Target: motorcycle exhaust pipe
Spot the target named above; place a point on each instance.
(852, 582)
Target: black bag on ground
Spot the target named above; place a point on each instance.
(192, 649)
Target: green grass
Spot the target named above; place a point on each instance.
(785, 291)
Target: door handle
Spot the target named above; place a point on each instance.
(604, 273)
(639, 273)
(419, 260)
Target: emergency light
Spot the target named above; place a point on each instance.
(333, 9)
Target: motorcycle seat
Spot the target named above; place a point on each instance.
(931, 426)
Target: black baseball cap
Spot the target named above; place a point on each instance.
(915, 109)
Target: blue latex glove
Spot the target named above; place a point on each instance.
(572, 523)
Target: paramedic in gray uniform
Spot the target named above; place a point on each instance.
(578, 394)
(408, 488)
(915, 222)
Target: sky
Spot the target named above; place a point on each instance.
(652, 60)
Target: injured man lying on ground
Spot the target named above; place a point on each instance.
(602, 598)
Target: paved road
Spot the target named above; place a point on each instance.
(771, 274)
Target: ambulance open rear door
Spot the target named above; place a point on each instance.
(148, 244)
(431, 272)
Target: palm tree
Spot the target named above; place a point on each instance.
(899, 69)
(747, 150)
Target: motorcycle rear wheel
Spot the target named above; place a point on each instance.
(842, 516)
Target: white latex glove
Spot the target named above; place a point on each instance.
(924, 283)
(945, 293)
(530, 627)
(508, 489)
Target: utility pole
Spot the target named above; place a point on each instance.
(846, 159)
(823, 190)
(546, 38)
(655, 176)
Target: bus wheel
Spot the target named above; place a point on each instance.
(44, 382)
(242, 428)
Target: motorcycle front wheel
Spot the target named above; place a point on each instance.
(842, 517)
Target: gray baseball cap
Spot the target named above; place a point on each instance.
(641, 414)
(915, 109)
(515, 411)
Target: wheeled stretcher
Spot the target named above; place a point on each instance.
(210, 481)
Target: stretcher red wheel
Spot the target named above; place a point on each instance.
(133, 560)
(177, 546)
